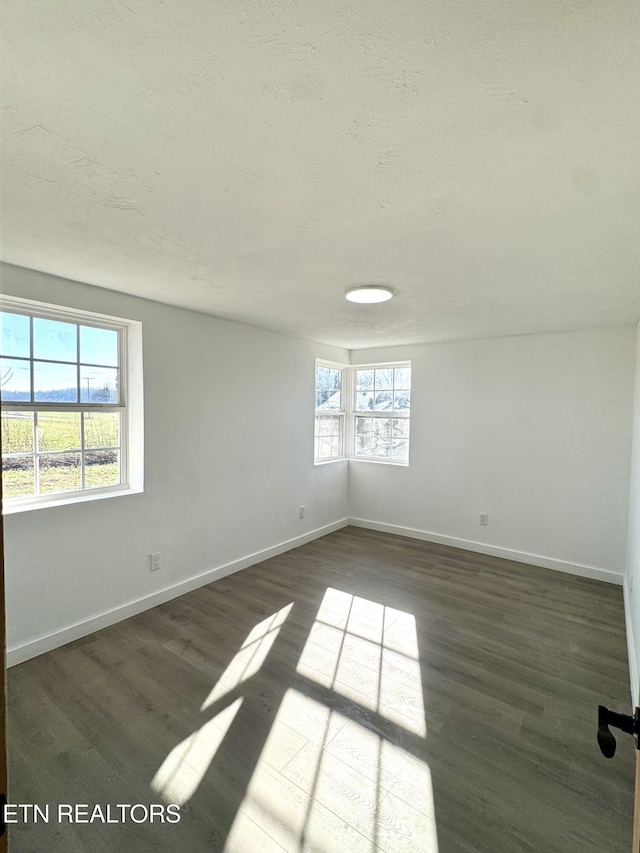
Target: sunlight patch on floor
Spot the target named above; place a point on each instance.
(182, 770)
(341, 787)
(368, 653)
(327, 780)
(251, 656)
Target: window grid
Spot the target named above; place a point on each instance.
(110, 451)
(329, 436)
(101, 462)
(328, 439)
(115, 366)
(382, 401)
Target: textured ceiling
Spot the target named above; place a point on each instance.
(254, 158)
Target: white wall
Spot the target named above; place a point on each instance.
(632, 579)
(533, 430)
(228, 462)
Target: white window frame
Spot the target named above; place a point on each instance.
(354, 413)
(130, 404)
(349, 412)
(345, 395)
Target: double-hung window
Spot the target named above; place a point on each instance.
(65, 413)
(330, 412)
(381, 412)
(363, 412)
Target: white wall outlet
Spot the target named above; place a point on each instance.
(484, 519)
(303, 511)
(155, 561)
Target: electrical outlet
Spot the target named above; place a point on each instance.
(303, 511)
(155, 561)
(484, 519)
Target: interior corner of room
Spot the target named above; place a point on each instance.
(540, 431)
(391, 619)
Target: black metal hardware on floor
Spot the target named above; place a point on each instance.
(628, 724)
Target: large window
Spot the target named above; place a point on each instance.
(363, 412)
(329, 423)
(63, 386)
(382, 403)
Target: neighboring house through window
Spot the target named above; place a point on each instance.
(382, 407)
(363, 412)
(329, 421)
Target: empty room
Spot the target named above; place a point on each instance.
(320, 384)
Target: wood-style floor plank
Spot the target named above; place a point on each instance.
(363, 692)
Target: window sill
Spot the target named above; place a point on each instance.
(370, 461)
(63, 500)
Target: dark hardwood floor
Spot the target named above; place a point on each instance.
(363, 692)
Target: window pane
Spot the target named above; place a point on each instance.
(58, 431)
(401, 427)
(15, 379)
(18, 480)
(381, 437)
(15, 335)
(328, 378)
(321, 376)
(328, 399)
(55, 383)
(400, 449)
(364, 380)
(381, 426)
(383, 379)
(328, 437)
(324, 447)
(101, 468)
(334, 402)
(101, 429)
(55, 340)
(381, 446)
(335, 378)
(323, 426)
(383, 401)
(402, 400)
(59, 472)
(363, 439)
(98, 384)
(364, 401)
(328, 388)
(402, 380)
(17, 432)
(363, 445)
(98, 346)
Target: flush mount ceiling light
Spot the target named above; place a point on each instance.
(369, 293)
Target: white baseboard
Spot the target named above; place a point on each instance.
(631, 646)
(494, 551)
(32, 649)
